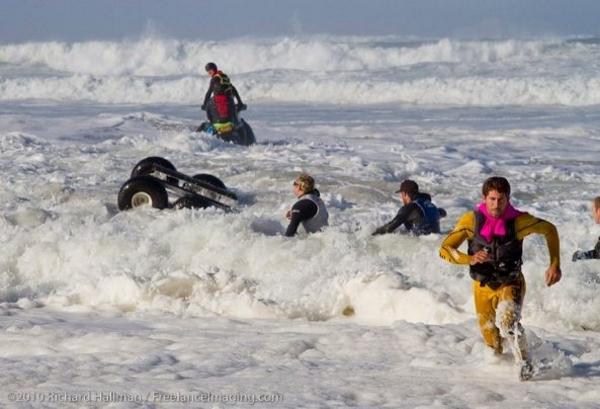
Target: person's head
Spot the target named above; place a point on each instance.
(408, 191)
(211, 68)
(496, 194)
(596, 209)
(303, 184)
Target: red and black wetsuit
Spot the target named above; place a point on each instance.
(224, 92)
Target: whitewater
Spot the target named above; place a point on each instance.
(150, 308)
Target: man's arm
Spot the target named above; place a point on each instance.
(463, 231)
(527, 224)
(302, 210)
(209, 92)
(236, 94)
(401, 217)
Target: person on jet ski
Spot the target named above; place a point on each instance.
(220, 110)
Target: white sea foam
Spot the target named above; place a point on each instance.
(65, 243)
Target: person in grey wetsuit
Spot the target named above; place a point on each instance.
(418, 215)
(309, 210)
(595, 252)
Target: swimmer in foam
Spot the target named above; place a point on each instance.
(595, 252)
(418, 214)
(309, 210)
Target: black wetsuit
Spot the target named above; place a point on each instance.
(411, 216)
(587, 255)
(302, 210)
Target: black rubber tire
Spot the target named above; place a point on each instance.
(144, 166)
(210, 179)
(140, 191)
(192, 202)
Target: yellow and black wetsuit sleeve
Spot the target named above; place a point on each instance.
(463, 231)
(527, 224)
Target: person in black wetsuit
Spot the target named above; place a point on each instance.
(309, 210)
(418, 215)
(595, 252)
(221, 107)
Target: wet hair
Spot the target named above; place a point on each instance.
(305, 182)
(497, 183)
(210, 66)
(597, 203)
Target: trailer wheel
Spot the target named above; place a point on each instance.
(142, 191)
(192, 202)
(144, 167)
(210, 179)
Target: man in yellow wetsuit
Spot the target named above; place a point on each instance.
(495, 231)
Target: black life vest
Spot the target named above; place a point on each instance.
(506, 255)
(222, 85)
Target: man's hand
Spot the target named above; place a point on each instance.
(378, 231)
(553, 275)
(578, 255)
(480, 257)
(288, 214)
(584, 255)
(203, 107)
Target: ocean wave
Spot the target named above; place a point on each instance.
(465, 91)
(164, 57)
(315, 69)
